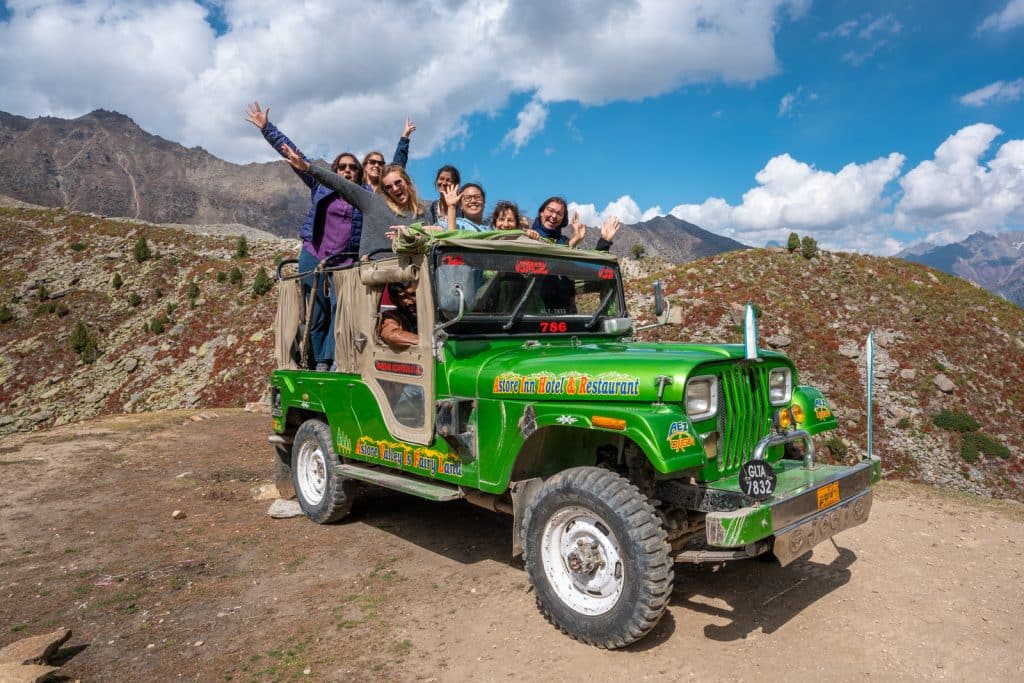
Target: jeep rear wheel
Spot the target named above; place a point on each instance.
(597, 556)
(324, 495)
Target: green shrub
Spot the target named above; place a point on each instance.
(171, 307)
(134, 299)
(808, 247)
(903, 423)
(141, 251)
(235, 277)
(79, 246)
(222, 277)
(48, 307)
(976, 442)
(42, 293)
(62, 310)
(836, 447)
(158, 293)
(242, 250)
(193, 290)
(158, 325)
(637, 250)
(262, 284)
(84, 343)
(6, 315)
(794, 242)
(117, 281)
(954, 421)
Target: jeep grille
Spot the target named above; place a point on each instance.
(744, 414)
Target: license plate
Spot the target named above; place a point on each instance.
(828, 495)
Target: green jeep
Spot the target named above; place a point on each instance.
(527, 394)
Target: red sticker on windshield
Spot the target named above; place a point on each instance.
(529, 267)
(606, 273)
(453, 260)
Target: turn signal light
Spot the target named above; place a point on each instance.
(783, 419)
(798, 413)
(608, 422)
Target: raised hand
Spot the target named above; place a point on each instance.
(579, 230)
(451, 195)
(409, 127)
(610, 228)
(295, 158)
(257, 116)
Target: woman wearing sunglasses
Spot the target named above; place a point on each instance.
(373, 162)
(332, 226)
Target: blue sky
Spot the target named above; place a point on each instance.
(869, 125)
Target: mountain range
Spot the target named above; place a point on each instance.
(995, 262)
(104, 163)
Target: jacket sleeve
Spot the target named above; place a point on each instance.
(356, 195)
(277, 140)
(392, 332)
(401, 152)
(603, 245)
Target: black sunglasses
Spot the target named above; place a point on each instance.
(348, 167)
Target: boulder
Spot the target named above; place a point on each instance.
(20, 673)
(35, 649)
(944, 384)
(284, 509)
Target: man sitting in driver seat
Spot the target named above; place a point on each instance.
(398, 326)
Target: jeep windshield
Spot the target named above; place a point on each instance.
(526, 293)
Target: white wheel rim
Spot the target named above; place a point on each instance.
(312, 472)
(582, 560)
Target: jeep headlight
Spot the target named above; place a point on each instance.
(780, 386)
(701, 397)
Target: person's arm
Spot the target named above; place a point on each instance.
(392, 332)
(452, 197)
(401, 157)
(356, 195)
(278, 140)
(608, 232)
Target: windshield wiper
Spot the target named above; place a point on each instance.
(517, 310)
(600, 309)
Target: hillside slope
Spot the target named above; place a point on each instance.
(996, 262)
(57, 268)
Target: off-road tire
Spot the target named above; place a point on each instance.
(589, 503)
(324, 495)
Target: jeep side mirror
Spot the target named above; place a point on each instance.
(660, 309)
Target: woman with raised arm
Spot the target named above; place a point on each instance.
(332, 226)
(447, 176)
(373, 162)
(552, 216)
(396, 203)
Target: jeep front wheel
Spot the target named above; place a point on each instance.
(324, 495)
(597, 557)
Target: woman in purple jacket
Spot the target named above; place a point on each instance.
(332, 226)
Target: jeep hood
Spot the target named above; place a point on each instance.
(612, 371)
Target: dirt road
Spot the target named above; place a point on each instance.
(404, 589)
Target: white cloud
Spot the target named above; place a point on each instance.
(624, 208)
(841, 31)
(1009, 17)
(530, 122)
(883, 24)
(160, 62)
(956, 193)
(1000, 91)
(844, 209)
(786, 103)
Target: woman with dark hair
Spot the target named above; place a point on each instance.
(332, 226)
(506, 216)
(447, 177)
(553, 215)
(373, 162)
